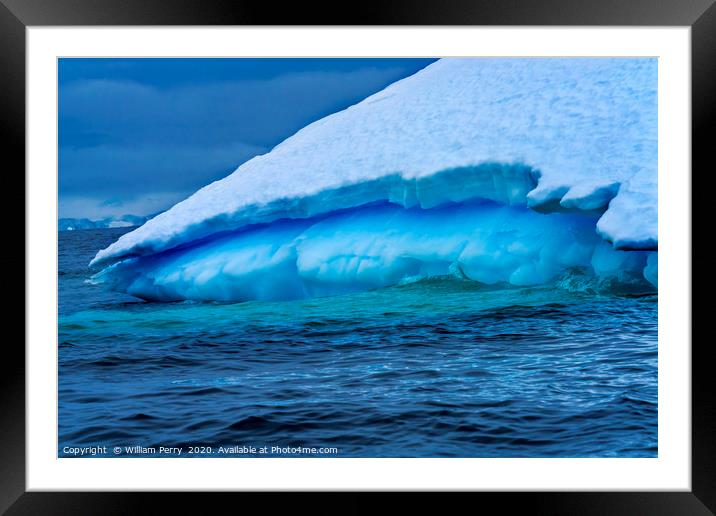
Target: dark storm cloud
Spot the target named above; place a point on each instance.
(125, 139)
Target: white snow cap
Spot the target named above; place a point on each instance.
(555, 133)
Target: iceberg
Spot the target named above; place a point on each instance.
(125, 221)
(495, 170)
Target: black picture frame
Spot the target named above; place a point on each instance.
(16, 15)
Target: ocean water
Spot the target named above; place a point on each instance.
(438, 368)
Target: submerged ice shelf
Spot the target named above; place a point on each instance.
(494, 169)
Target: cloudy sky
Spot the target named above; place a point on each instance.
(138, 135)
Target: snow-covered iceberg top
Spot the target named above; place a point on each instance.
(553, 134)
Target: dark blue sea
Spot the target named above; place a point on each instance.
(439, 368)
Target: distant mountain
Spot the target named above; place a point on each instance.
(123, 221)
